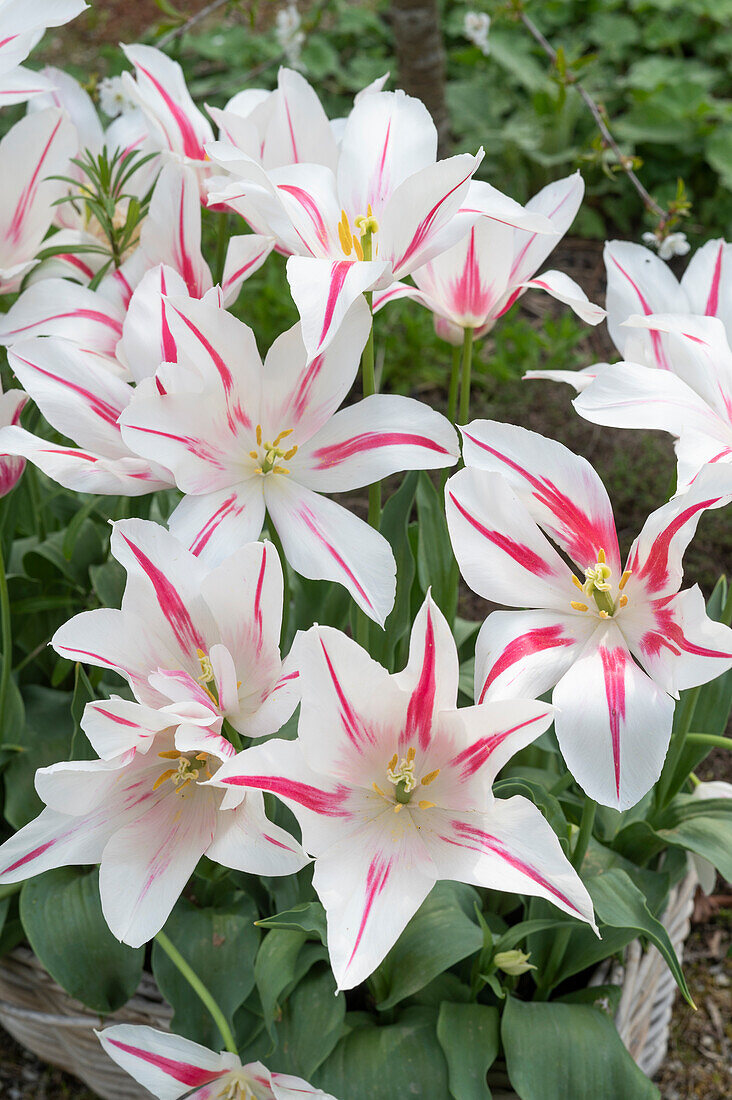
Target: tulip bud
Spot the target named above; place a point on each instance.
(513, 962)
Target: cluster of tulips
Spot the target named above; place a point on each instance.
(118, 330)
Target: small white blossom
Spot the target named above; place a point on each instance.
(475, 28)
(289, 34)
(675, 244)
(113, 98)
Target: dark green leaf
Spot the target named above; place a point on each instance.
(62, 916)
(311, 1024)
(308, 917)
(274, 968)
(394, 528)
(45, 740)
(435, 559)
(440, 934)
(80, 749)
(568, 1052)
(221, 946)
(468, 1035)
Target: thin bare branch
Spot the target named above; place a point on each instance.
(209, 9)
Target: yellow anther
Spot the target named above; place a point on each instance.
(378, 790)
(398, 808)
(579, 606)
(604, 615)
(393, 762)
(430, 777)
(201, 756)
(280, 470)
(283, 435)
(259, 435)
(622, 601)
(169, 754)
(254, 454)
(425, 805)
(625, 578)
(164, 776)
(258, 470)
(290, 454)
(411, 753)
(344, 234)
(577, 582)
(358, 248)
(601, 556)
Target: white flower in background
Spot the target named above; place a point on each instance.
(675, 244)
(289, 34)
(113, 99)
(706, 872)
(475, 28)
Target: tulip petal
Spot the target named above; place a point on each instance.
(171, 232)
(566, 290)
(325, 290)
(160, 90)
(57, 307)
(247, 840)
(245, 255)
(211, 526)
(431, 675)
(638, 281)
(168, 1065)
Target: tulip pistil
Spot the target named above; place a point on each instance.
(269, 454)
(597, 585)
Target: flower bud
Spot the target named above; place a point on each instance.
(513, 962)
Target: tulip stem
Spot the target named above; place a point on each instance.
(682, 724)
(7, 642)
(369, 388)
(466, 367)
(710, 739)
(221, 241)
(584, 835)
(197, 985)
(452, 395)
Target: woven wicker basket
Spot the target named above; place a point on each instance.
(43, 1018)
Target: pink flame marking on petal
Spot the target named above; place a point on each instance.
(475, 756)
(613, 668)
(307, 202)
(77, 262)
(519, 257)
(335, 453)
(186, 633)
(584, 535)
(713, 300)
(29, 192)
(291, 128)
(381, 171)
(534, 641)
(258, 599)
(83, 314)
(302, 397)
(520, 553)
(278, 843)
(184, 1072)
(170, 350)
(283, 680)
(480, 841)
(198, 447)
(652, 642)
(235, 275)
(355, 729)
(310, 522)
(654, 570)
(117, 718)
(420, 712)
(10, 38)
(101, 408)
(68, 452)
(28, 857)
(328, 803)
(224, 373)
(185, 263)
(204, 535)
(377, 877)
(423, 230)
(656, 339)
(338, 272)
(192, 146)
(469, 297)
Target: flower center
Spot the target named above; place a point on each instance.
(366, 225)
(239, 1086)
(402, 774)
(269, 454)
(597, 585)
(185, 771)
(207, 677)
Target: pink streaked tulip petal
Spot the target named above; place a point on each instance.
(171, 232)
(706, 281)
(655, 556)
(466, 283)
(36, 147)
(57, 307)
(487, 200)
(165, 1064)
(613, 723)
(482, 740)
(116, 725)
(580, 379)
(74, 391)
(502, 553)
(522, 654)
(78, 787)
(160, 90)
(211, 525)
(399, 290)
(695, 450)
(560, 489)
(324, 541)
(349, 699)
(302, 393)
(52, 840)
(378, 436)
(676, 642)
(566, 290)
(431, 676)
(146, 337)
(148, 861)
(297, 129)
(247, 840)
(558, 202)
(512, 848)
(638, 282)
(388, 137)
(309, 197)
(419, 221)
(245, 255)
(371, 884)
(21, 84)
(325, 290)
(83, 471)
